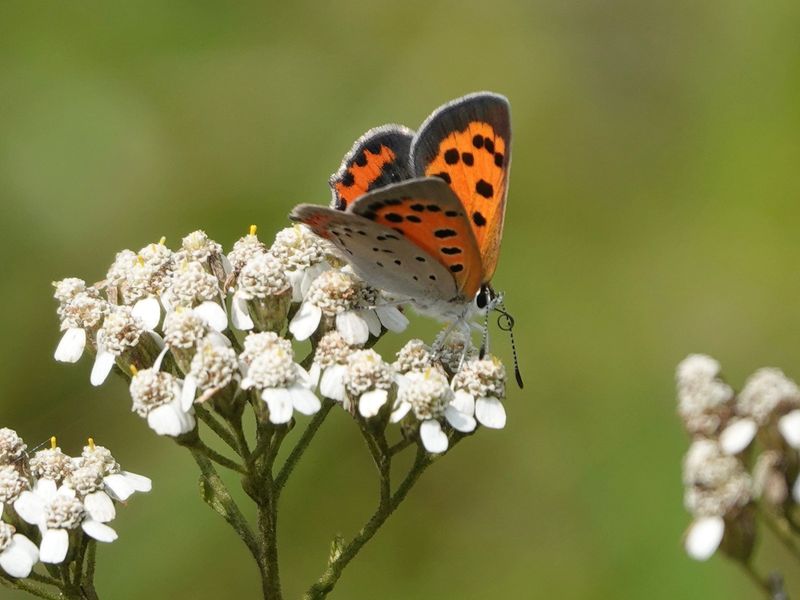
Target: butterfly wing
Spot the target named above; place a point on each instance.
(379, 157)
(467, 143)
(428, 214)
(378, 254)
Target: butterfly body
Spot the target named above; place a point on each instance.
(421, 215)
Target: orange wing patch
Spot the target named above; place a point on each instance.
(378, 158)
(474, 163)
(427, 213)
(365, 169)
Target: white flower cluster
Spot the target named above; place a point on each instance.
(196, 326)
(721, 477)
(56, 499)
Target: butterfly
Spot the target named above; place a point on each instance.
(420, 215)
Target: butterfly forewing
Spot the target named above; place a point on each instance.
(380, 255)
(427, 213)
(379, 157)
(467, 143)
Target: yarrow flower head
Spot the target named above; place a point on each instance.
(245, 249)
(717, 491)
(705, 401)
(768, 399)
(415, 355)
(303, 257)
(213, 368)
(428, 396)
(263, 295)
(480, 387)
(367, 382)
(454, 347)
(329, 368)
(282, 383)
(12, 448)
(156, 396)
(123, 337)
(82, 314)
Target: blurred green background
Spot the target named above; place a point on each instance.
(653, 212)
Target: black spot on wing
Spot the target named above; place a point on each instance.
(456, 268)
(444, 176)
(451, 250)
(451, 156)
(478, 218)
(417, 207)
(413, 219)
(444, 233)
(484, 188)
(468, 159)
(477, 141)
(394, 218)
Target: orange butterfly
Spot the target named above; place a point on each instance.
(421, 215)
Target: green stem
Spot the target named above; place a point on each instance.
(760, 581)
(214, 425)
(218, 458)
(327, 581)
(33, 590)
(302, 444)
(216, 495)
(779, 529)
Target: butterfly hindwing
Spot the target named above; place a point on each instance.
(467, 143)
(427, 213)
(379, 157)
(379, 254)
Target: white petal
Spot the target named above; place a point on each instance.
(400, 411)
(789, 426)
(490, 413)
(170, 419)
(157, 339)
(737, 435)
(240, 315)
(119, 486)
(188, 392)
(304, 377)
(66, 491)
(140, 483)
(371, 402)
(314, 373)
(309, 275)
(99, 531)
(19, 557)
(71, 346)
(160, 359)
(796, 490)
(372, 321)
(100, 507)
(217, 339)
(331, 384)
(433, 438)
(352, 327)
(54, 546)
(296, 279)
(30, 507)
(391, 318)
(304, 400)
(103, 363)
(305, 321)
(460, 421)
(148, 310)
(704, 537)
(45, 488)
(279, 401)
(213, 314)
(167, 301)
(464, 402)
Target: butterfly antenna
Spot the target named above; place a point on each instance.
(485, 338)
(506, 322)
(30, 451)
